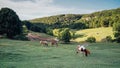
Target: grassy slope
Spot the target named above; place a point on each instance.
(98, 33)
(42, 34)
(29, 54)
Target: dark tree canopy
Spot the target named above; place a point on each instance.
(10, 23)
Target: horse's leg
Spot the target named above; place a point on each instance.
(40, 43)
(52, 44)
(56, 44)
(86, 53)
(77, 52)
(46, 44)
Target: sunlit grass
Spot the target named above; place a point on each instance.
(98, 33)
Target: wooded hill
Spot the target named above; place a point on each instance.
(103, 18)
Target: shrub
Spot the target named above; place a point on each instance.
(108, 38)
(65, 35)
(91, 39)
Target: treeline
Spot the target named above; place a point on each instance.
(104, 18)
(37, 27)
(61, 21)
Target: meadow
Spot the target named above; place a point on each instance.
(98, 33)
(30, 54)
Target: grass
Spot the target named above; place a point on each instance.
(30, 54)
(98, 33)
(42, 34)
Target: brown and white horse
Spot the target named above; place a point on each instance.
(53, 42)
(45, 43)
(83, 50)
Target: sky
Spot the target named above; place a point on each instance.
(30, 9)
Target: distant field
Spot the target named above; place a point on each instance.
(30, 54)
(98, 33)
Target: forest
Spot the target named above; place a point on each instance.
(105, 18)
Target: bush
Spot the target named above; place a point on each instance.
(65, 35)
(91, 39)
(108, 38)
(77, 35)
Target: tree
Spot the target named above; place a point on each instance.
(65, 35)
(10, 23)
(116, 29)
(78, 25)
(56, 32)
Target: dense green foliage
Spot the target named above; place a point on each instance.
(37, 27)
(61, 21)
(63, 34)
(104, 18)
(10, 23)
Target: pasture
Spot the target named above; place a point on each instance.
(98, 33)
(30, 54)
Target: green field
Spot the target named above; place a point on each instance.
(30, 54)
(98, 33)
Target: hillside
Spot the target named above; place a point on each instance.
(103, 18)
(58, 18)
(98, 33)
(100, 22)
